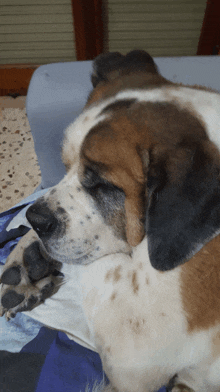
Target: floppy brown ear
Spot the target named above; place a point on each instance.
(184, 210)
(136, 200)
(134, 210)
(108, 66)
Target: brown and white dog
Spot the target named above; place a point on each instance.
(138, 214)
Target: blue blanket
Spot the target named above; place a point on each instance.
(34, 358)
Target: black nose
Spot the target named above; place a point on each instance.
(41, 218)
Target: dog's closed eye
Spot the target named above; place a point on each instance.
(91, 179)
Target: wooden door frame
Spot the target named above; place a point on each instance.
(209, 41)
(91, 28)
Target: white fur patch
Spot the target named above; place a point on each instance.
(141, 334)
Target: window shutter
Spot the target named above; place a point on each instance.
(163, 28)
(36, 32)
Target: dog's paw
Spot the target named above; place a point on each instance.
(29, 277)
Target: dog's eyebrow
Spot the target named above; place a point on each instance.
(120, 104)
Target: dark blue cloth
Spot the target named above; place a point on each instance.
(68, 367)
(8, 240)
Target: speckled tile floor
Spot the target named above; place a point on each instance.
(19, 169)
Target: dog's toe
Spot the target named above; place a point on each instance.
(12, 275)
(36, 265)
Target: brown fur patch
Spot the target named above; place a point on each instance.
(121, 145)
(147, 280)
(116, 274)
(108, 349)
(113, 147)
(113, 274)
(113, 296)
(136, 325)
(108, 276)
(200, 287)
(134, 282)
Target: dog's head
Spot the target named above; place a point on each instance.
(139, 163)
